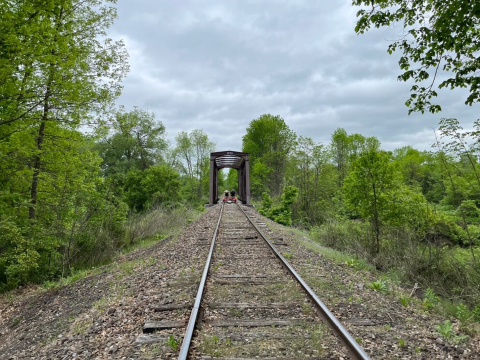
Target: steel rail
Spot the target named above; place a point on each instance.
(187, 338)
(354, 349)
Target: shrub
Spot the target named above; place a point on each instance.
(18, 258)
(281, 213)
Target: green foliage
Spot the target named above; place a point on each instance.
(19, 258)
(232, 179)
(310, 170)
(136, 144)
(269, 141)
(469, 210)
(346, 149)
(439, 36)
(159, 184)
(173, 343)
(405, 300)
(354, 263)
(446, 330)
(281, 213)
(367, 189)
(379, 285)
(430, 299)
(266, 204)
(191, 157)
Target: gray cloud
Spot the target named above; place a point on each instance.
(218, 65)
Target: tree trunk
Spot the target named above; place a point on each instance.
(36, 165)
(376, 221)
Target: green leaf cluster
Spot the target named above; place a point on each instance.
(280, 213)
(439, 42)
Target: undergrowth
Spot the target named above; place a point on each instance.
(439, 288)
(142, 231)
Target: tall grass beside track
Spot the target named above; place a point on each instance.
(449, 277)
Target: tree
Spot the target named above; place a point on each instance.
(459, 145)
(138, 142)
(232, 179)
(282, 212)
(55, 71)
(58, 71)
(365, 189)
(268, 140)
(410, 163)
(340, 151)
(311, 171)
(192, 154)
(346, 148)
(439, 36)
(159, 184)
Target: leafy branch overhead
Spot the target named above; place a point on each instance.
(438, 37)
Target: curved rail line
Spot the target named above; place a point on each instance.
(355, 351)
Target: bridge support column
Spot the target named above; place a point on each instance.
(213, 198)
(247, 181)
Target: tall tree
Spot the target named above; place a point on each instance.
(138, 142)
(62, 73)
(346, 149)
(438, 36)
(365, 189)
(192, 152)
(340, 152)
(311, 171)
(269, 141)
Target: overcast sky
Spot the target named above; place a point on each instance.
(217, 65)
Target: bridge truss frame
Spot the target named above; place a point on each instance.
(235, 160)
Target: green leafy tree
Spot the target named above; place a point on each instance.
(269, 141)
(192, 158)
(409, 162)
(346, 148)
(438, 36)
(340, 152)
(459, 146)
(365, 189)
(56, 71)
(311, 171)
(138, 142)
(231, 181)
(157, 185)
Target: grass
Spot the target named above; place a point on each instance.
(81, 325)
(77, 275)
(331, 254)
(293, 341)
(150, 229)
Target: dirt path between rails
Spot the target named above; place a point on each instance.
(101, 316)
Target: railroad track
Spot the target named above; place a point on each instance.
(252, 304)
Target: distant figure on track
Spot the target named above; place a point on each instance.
(232, 193)
(226, 193)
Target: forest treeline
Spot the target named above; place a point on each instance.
(75, 171)
(412, 212)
